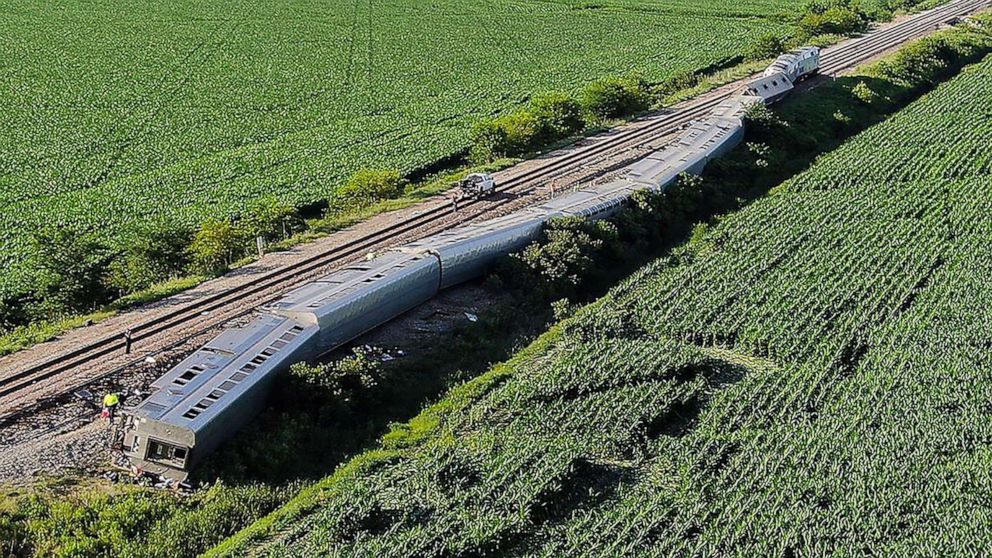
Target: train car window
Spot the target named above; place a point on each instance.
(158, 450)
(191, 414)
(166, 453)
(185, 377)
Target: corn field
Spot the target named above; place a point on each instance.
(813, 378)
(186, 110)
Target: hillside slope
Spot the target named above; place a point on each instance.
(811, 377)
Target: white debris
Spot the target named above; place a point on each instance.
(471, 317)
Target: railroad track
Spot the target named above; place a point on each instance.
(14, 387)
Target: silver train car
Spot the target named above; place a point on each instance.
(214, 392)
(206, 398)
(361, 296)
(780, 78)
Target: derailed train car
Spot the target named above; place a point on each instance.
(781, 77)
(211, 394)
(208, 397)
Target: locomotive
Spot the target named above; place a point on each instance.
(206, 398)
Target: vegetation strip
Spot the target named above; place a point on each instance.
(74, 271)
(899, 78)
(181, 543)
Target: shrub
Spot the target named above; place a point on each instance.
(837, 17)
(548, 118)
(509, 135)
(367, 187)
(488, 141)
(863, 93)
(523, 131)
(559, 263)
(760, 116)
(271, 219)
(71, 269)
(154, 252)
(920, 62)
(679, 82)
(558, 115)
(13, 311)
(614, 97)
(215, 246)
(345, 377)
(765, 46)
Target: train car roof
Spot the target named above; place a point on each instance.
(661, 167)
(526, 221)
(204, 384)
(344, 284)
(591, 200)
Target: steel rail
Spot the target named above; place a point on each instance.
(834, 59)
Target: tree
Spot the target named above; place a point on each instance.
(13, 311)
(512, 134)
(71, 269)
(271, 219)
(216, 246)
(614, 97)
(765, 46)
(155, 252)
(832, 17)
(488, 141)
(549, 117)
(558, 115)
(559, 263)
(522, 131)
(367, 187)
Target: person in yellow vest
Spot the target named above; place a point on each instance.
(110, 403)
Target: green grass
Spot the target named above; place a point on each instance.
(22, 337)
(79, 517)
(158, 291)
(26, 336)
(810, 377)
(192, 109)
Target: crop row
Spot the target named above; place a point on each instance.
(187, 111)
(813, 378)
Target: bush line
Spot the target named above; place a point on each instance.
(559, 270)
(76, 275)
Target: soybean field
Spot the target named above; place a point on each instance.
(811, 377)
(115, 114)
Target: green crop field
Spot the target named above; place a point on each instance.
(114, 113)
(812, 377)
